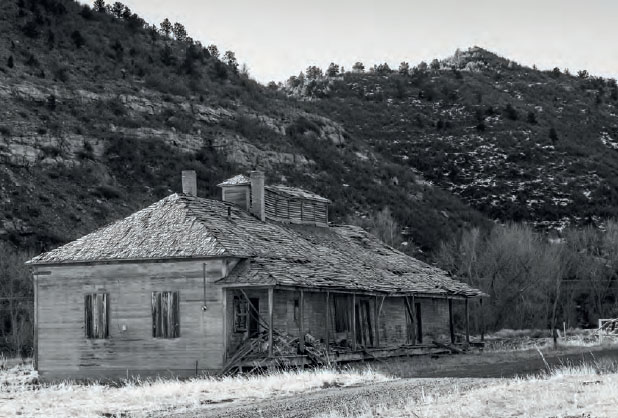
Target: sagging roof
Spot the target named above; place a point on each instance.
(292, 192)
(183, 226)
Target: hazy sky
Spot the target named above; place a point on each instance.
(279, 38)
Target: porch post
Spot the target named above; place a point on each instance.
(327, 324)
(467, 322)
(224, 307)
(417, 338)
(482, 320)
(354, 321)
(271, 297)
(301, 324)
(376, 321)
(450, 320)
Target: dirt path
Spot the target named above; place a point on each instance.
(353, 400)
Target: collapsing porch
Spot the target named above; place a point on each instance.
(269, 326)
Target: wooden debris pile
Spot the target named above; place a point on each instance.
(284, 345)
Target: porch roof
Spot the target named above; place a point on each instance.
(346, 257)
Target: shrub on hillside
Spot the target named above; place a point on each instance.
(510, 112)
(107, 191)
(31, 29)
(77, 39)
(301, 126)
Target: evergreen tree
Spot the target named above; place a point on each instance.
(332, 70)
(126, 13)
(214, 51)
(230, 59)
(78, 39)
(166, 27)
(383, 69)
(117, 9)
(99, 6)
(531, 117)
(553, 135)
(358, 67)
(180, 32)
(510, 112)
(313, 72)
(404, 68)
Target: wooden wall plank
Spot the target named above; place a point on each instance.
(62, 344)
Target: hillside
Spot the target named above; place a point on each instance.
(513, 142)
(101, 112)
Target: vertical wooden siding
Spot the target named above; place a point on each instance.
(294, 210)
(393, 322)
(62, 344)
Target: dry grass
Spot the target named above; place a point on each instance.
(509, 340)
(20, 394)
(568, 391)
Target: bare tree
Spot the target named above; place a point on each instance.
(16, 301)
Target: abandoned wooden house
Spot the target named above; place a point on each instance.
(192, 285)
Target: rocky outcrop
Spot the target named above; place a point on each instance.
(240, 151)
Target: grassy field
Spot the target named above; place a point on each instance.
(21, 394)
(575, 392)
(563, 389)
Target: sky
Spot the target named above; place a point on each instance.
(280, 38)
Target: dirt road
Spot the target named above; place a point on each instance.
(353, 400)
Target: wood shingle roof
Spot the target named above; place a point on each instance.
(183, 226)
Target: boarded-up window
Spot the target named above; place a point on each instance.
(241, 308)
(165, 317)
(96, 315)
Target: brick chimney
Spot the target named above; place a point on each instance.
(189, 183)
(257, 194)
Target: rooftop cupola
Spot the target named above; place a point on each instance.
(275, 203)
(237, 190)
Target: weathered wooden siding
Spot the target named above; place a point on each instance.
(294, 210)
(314, 316)
(392, 321)
(393, 326)
(435, 319)
(64, 350)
